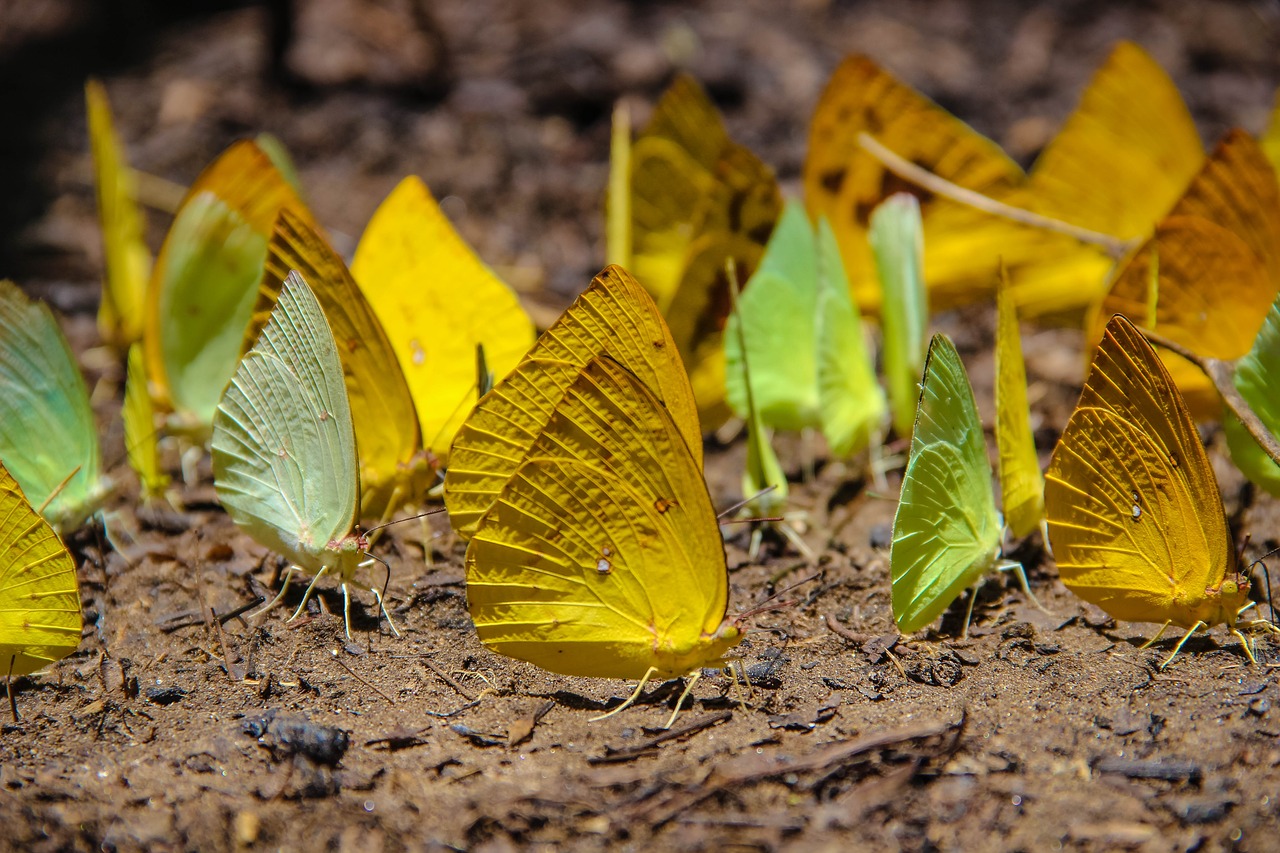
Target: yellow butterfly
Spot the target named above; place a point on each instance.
(1021, 483)
(1135, 516)
(697, 200)
(1120, 160)
(436, 300)
(205, 282)
(613, 317)
(40, 617)
(1211, 269)
(127, 259)
(141, 435)
(600, 555)
(394, 469)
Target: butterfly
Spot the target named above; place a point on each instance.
(141, 436)
(436, 300)
(895, 237)
(1135, 516)
(600, 554)
(284, 448)
(48, 435)
(395, 470)
(1257, 377)
(695, 199)
(810, 368)
(1119, 162)
(947, 532)
(40, 617)
(127, 259)
(613, 317)
(205, 282)
(1021, 481)
(1211, 269)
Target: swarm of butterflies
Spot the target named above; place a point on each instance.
(334, 394)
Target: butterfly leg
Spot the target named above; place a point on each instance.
(383, 607)
(684, 694)
(741, 676)
(631, 699)
(1026, 587)
(878, 463)
(307, 595)
(1148, 643)
(1185, 637)
(968, 613)
(1244, 643)
(284, 587)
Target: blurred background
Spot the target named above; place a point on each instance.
(503, 107)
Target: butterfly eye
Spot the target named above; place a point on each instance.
(603, 566)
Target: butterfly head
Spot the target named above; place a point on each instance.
(1221, 604)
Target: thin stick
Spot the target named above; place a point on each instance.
(940, 186)
(448, 679)
(1221, 373)
(358, 678)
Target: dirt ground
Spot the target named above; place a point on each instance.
(172, 730)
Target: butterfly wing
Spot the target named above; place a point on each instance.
(614, 316)
(946, 533)
(1124, 155)
(602, 556)
(205, 281)
(1135, 516)
(851, 404)
(778, 313)
(284, 449)
(698, 201)
(845, 183)
(47, 428)
(1216, 266)
(1257, 378)
(1021, 483)
(40, 618)
(127, 260)
(140, 434)
(393, 468)
(437, 300)
(896, 245)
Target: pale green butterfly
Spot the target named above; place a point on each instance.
(284, 448)
(898, 246)
(205, 283)
(48, 436)
(809, 361)
(1257, 378)
(947, 532)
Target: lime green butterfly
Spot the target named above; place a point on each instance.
(804, 338)
(947, 532)
(1257, 378)
(48, 437)
(284, 448)
(898, 247)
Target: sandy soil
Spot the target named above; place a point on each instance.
(170, 729)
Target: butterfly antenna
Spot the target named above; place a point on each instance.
(57, 490)
(740, 504)
(1266, 573)
(771, 603)
(399, 520)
